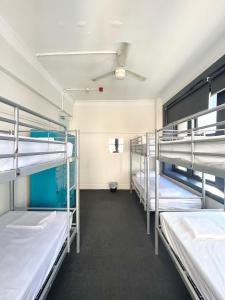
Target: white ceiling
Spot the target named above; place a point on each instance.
(172, 41)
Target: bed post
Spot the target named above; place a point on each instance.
(16, 136)
(131, 166)
(147, 181)
(192, 143)
(67, 193)
(78, 189)
(156, 194)
(140, 174)
(203, 190)
(12, 194)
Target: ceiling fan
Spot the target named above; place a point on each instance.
(120, 71)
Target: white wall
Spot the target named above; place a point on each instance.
(24, 81)
(99, 121)
(158, 113)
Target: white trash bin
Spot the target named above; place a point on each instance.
(113, 185)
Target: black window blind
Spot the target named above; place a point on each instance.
(187, 105)
(194, 97)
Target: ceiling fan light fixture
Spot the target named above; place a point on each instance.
(120, 73)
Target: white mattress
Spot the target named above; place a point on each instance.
(205, 145)
(203, 259)
(167, 189)
(27, 255)
(7, 147)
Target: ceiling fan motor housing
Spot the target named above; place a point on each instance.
(120, 73)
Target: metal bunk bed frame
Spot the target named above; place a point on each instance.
(11, 175)
(141, 146)
(170, 133)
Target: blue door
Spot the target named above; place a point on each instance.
(48, 188)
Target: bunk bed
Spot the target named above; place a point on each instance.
(195, 239)
(142, 180)
(35, 241)
(141, 151)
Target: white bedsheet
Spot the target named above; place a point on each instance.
(167, 189)
(7, 147)
(203, 259)
(212, 227)
(37, 221)
(27, 256)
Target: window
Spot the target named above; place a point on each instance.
(214, 185)
(210, 118)
(182, 127)
(115, 145)
(193, 178)
(208, 177)
(183, 169)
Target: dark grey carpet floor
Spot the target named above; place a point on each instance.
(117, 258)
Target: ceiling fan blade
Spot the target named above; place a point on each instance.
(103, 76)
(122, 54)
(137, 76)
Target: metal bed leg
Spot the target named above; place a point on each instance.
(192, 143)
(147, 180)
(130, 168)
(15, 161)
(16, 135)
(156, 195)
(78, 190)
(140, 173)
(203, 191)
(68, 196)
(145, 183)
(148, 222)
(12, 194)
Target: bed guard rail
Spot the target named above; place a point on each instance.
(19, 123)
(198, 147)
(189, 144)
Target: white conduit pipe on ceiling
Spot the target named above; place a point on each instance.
(75, 53)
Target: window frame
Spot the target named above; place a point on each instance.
(189, 178)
